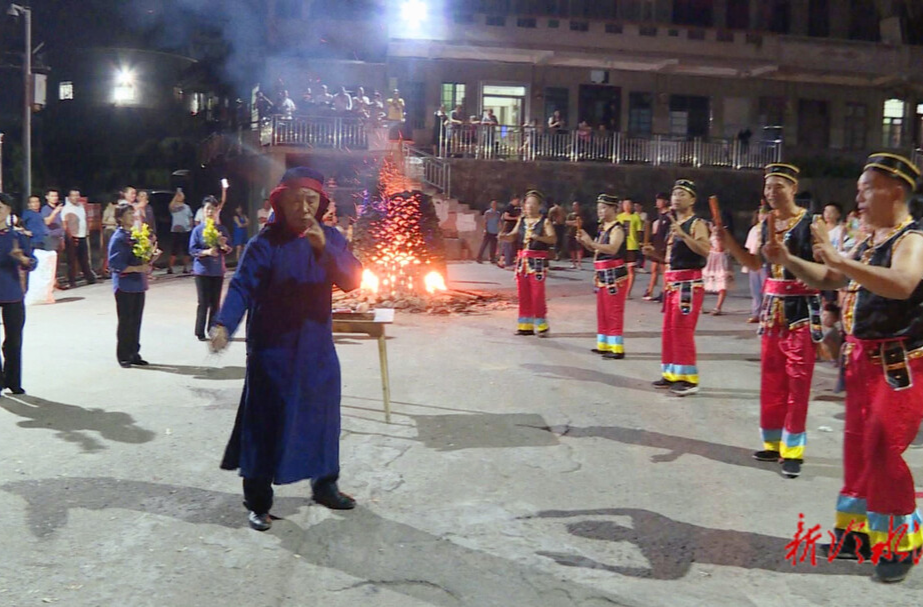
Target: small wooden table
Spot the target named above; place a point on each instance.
(374, 327)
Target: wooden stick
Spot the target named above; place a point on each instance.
(715, 210)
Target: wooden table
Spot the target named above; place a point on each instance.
(374, 327)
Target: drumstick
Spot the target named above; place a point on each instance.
(715, 210)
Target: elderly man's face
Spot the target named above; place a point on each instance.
(299, 207)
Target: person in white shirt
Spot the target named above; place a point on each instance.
(288, 106)
(181, 218)
(757, 277)
(262, 215)
(199, 215)
(833, 213)
(74, 216)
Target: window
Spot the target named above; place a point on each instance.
(819, 18)
(648, 30)
(855, 127)
(640, 114)
(557, 98)
(738, 14)
(497, 21)
(526, 22)
(579, 26)
(893, 127)
(554, 23)
(780, 20)
(693, 12)
(613, 28)
(690, 116)
(65, 90)
(772, 111)
(453, 93)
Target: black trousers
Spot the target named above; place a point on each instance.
(14, 318)
(560, 245)
(491, 241)
(78, 252)
(258, 492)
(130, 308)
(209, 291)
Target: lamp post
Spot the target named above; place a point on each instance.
(17, 10)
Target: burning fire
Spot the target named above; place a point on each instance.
(369, 282)
(434, 282)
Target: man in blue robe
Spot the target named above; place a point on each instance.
(288, 422)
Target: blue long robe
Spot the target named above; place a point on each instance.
(288, 422)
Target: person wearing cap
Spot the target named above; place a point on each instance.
(684, 291)
(288, 422)
(876, 510)
(790, 323)
(611, 277)
(15, 256)
(534, 235)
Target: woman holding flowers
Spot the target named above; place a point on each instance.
(130, 254)
(208, 244)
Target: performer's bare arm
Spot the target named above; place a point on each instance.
(896, 282)
(742, 255)
(511, 235)
(816, 275)
(616, 237)
(697, 241)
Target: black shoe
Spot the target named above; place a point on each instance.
(767, 455)
(478, 261)
(17, 391)
(849, 546)
(259, 522)
(124, 364)
(201, 338)
(522, 332)
(893, 568)
(327, 494)
(658, 299)
(791, 467)
(662, 383)
(614, 355)
(598, 351)
(684, 388)
(544, 333)
(169, 270)
(137, 360)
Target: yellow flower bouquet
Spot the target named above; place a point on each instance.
(210, 234)
(143, 248)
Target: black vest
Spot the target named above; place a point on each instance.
(538, 230)
(871, 316)
(679, 255)
(604, 238)
(800, 243)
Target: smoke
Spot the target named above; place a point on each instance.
(229, 32)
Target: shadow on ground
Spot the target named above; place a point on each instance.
(216, 373)
(671, 547)
(380, 552)
(72, 423)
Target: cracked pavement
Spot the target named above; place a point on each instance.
(517, 471)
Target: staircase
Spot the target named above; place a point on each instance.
(462, 227)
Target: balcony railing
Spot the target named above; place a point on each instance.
(530, 144)
(321, 132)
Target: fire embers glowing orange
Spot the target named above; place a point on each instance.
(434, 282)
(370, 282)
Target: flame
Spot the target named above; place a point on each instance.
(369, 282)
(434, 282)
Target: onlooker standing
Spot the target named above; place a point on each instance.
(396, 114)
(440, 118)
(181, 225)
(574, 223)
(833, 215)
(76, 246)
(757, 277)
(52, 214)
(15, 255)
(199, 215)
(208, 245)
(110, 225)
(262, 215)
(631, 222)
(145, 212)
(639, 209)
(660, 229)
(491, 229)
(342, 102)
(129, 282)
(241, 223)
(718, 274)
(34, 223)
(509, 248)
(558, 218)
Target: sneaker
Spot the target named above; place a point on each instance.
(767, 455)
(662, 383)
(791, 468)
(17, 391)
(658, 299)
(684, 388)
(893, 568)
(614, 355)
(647, 297)
(259, 522)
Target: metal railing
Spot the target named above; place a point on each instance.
(322, 132)
(531, 144)
(427, 168)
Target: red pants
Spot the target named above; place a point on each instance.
(610, 318)
(786, 372)
(678, 361)
(878, 488)
(533, 310)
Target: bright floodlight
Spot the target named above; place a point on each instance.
(413, 12)
(124, 91)
(124, 77)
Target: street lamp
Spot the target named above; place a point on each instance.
(17, 10)
(413, 12)
(124, 90)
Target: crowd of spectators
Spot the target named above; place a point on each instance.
(319, 101)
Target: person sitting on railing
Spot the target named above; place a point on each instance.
(342, 102)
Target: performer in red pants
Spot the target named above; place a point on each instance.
(687, 250)
(611, 277)
(535, 235)
(883, 317)
(789, 324)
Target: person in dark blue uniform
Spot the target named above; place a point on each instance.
(15, 256)
(129, 282)
(208, 267)
(288, 422)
